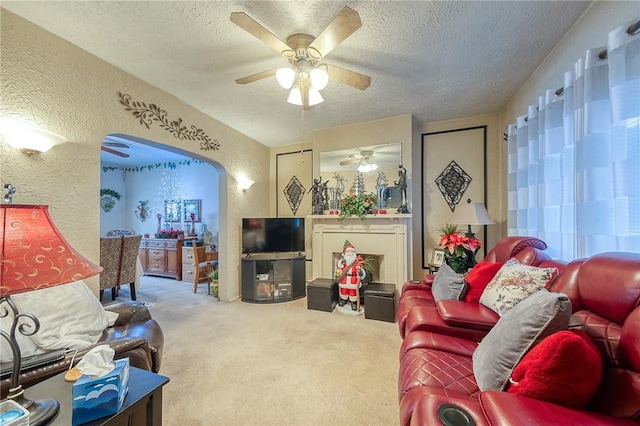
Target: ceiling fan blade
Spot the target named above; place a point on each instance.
(113, 151)
(342, 26)
(251, 26)
(255, 77)
(349, 78)
(353, 160)
(115, 144)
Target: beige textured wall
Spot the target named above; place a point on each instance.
(495, 180)
(68, 91)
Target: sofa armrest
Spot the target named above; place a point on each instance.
(415, 285)
(149, 331)
(129, 312)
(510, 409)
(457, 313)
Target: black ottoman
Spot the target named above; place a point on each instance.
(380, 302)
(322, 294)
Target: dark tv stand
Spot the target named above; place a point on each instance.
(273, 277)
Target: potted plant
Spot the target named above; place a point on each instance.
(458, 248)
(214, 283)
(357, 205)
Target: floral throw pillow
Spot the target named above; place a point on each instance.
(513, 283)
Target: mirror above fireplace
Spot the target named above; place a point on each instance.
(371, 162)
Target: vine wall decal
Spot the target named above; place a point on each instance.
(150, 113)
(171, 165)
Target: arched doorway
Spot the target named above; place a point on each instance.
(143, 178)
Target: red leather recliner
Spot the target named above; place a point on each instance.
(528, 250)
(605, 295)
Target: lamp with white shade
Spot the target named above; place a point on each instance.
(471, 214)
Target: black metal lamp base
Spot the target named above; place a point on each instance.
(41, 412)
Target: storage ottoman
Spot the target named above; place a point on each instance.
(380, 302)
(322, 294)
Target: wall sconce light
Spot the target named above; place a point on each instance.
(244, 184)
(29, 138)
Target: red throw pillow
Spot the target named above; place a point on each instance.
(565, 369)
(478, 278)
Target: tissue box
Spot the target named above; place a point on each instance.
(13, 414)
(95, 397)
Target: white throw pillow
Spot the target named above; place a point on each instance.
(70, 316)
(513, 283)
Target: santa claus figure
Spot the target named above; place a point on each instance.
(352, 274)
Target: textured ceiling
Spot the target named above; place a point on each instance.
(435, 60)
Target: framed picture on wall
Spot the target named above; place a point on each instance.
(172, 210)
(192, 206)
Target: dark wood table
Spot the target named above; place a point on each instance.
(142, 405)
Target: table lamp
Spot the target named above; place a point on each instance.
(34, 256)
(471, 214)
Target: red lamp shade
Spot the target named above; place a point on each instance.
(34, 253)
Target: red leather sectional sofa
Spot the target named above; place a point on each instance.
(436, 367)
(417, 294)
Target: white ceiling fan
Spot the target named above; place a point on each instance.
(308, 75)
(368, 160)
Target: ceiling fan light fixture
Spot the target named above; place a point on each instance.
(286, 77)
(295, 96)
(315, 97)
(319, 77)
(367, 167)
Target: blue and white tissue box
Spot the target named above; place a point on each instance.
(96, 397)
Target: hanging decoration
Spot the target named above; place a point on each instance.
(108, 198)
(294, 193)
(171, 165)
(152, 112)
(142, 211)
(453, 182)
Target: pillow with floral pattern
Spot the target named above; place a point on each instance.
(513, 283)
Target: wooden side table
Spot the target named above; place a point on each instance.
(142, 406)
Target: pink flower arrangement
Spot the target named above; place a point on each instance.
(193, 216)
(454, 241)
(456, 247)
(171, 233)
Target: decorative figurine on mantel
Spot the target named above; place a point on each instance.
(337, 191)
(350, 276)
(402, 187)
(382, 190)
(317, 197)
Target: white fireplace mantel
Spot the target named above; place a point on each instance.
(387, 236)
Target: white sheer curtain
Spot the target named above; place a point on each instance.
(574, 160)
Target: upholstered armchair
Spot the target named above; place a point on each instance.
(118, 258)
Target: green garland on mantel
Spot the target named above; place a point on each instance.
(106, 192)
(171, 165)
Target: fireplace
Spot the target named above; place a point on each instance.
(384, 237)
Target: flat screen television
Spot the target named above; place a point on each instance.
(272, 235)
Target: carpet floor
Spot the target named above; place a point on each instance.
(272, 364)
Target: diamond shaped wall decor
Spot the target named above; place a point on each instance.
(453, 182)
(294, 193)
